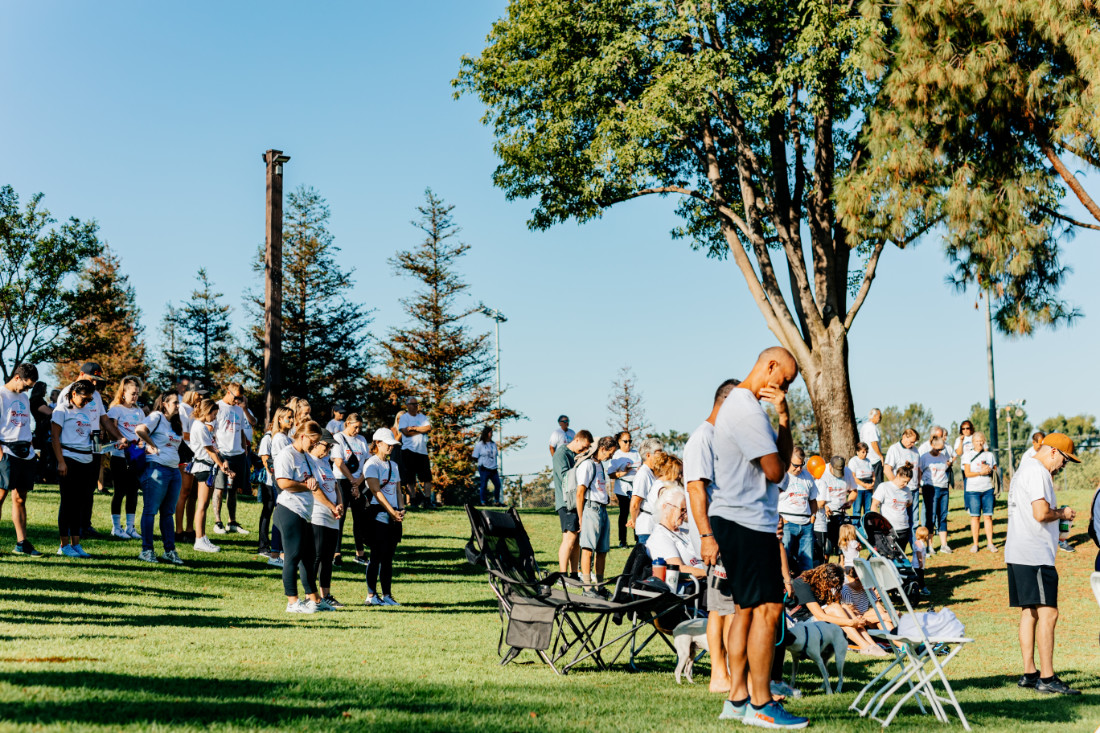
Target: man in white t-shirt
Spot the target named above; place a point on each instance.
(415, 465)
(699, 481)
(898, 455)
(798, 503)
(837, 491)
(18, 466)
(232, 434)
(870, 434)
(750, 460)
(1031, 547)
(561, 434)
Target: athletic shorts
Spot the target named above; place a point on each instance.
(1032, 585)
(17, 473)
(751, 560)
(595, 528)
(570, 522)
(415, 467)
(719, 598)
(979, 503)
(241, 470)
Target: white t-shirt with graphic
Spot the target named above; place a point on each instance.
(166, 440)
(16, 424)
(665, 544)
(389, 479)
(322, 471)
(345, 447)
(794, 500)
(227, 428)
(861, 468)
(870, 434)
(834, 490)
(77, 424)
(894, 503)
(292, 464)
(561, 437)
(977, 461)
(201, 439)
(186, 411)
(590, 475)
(898, 456)
(126, 420)
(417, 442)
(933, 470)
(624, 460)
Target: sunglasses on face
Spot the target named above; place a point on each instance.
(626, 440)
(797, 465)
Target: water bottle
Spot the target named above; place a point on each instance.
(672, 578)
(1064, 524)
(659, 568)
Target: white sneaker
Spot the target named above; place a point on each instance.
(388, 601)
(132, 533)
(236, 528)
(173, 557)
(148, 556)
(275, 562)
(945, 550)
(931, 551)
(973, 549)
(203, 544)
(67, 551)
(301, 607)
(219, 528)
(120, 533)
(993, 549)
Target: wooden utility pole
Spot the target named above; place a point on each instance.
(273, 283)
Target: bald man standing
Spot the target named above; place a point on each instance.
(750, 459)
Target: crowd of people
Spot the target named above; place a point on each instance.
(764, 525)
(187, 451)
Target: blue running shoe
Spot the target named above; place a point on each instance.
(733, 712)
(774, 716)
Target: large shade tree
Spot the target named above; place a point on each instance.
(751, 114)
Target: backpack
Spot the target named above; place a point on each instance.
(1092, 515)
(569, 486)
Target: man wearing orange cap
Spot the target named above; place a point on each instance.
(1030, 550)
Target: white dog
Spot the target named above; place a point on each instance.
(689, 637)
(811, 639)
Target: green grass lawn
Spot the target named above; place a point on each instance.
(113, 643)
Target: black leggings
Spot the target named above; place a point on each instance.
(383, 543)
(298, 551)
(127, 483)
(324, 544)
(624, 515)
(360, 518)
(274, 542)
(77, 488)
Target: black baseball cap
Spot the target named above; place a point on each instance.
(340, 408)
(94, 370)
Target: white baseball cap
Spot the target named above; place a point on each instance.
(385, 435)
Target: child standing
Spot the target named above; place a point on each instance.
(849, 546)
(920, 551)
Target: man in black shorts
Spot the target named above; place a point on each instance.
(17, 464)
(750, 459)
(565, 457)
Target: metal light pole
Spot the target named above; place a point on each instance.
(273, 282)
(992, 386)
(499, 318)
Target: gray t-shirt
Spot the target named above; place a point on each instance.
(742, 435)
(699, 466)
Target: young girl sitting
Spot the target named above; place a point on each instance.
(854, 599)
(920, 551)
(849, 545)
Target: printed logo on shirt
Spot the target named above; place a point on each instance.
(82, 424)
(17, 416)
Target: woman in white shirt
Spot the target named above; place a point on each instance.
(126, 416)
(623, 468)
(326, 526)
(72, 424)
(964, 443)
(893, 498)
(185, 507)
(349, 456)
(485, 453)
(271, 444)
(205, 458)
(299, 488)
(162, 433)
(978, 467)
(383, 479)
(936, 490)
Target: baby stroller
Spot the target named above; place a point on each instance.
(880, 538)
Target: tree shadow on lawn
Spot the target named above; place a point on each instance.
(181, 617)
(84, 589)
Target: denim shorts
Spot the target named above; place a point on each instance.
(979, 503)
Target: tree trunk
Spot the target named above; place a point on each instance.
(831, 396)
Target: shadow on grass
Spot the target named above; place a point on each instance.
(84, 589)
(183, 618)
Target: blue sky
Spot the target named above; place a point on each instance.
(152, 118)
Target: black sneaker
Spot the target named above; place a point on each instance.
(333, 602)
(1028, 681)
(26, 548)
(337, 560)
(89, 533)
(1055, 686)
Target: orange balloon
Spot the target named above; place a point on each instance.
(816, 466)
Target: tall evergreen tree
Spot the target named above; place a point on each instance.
(204, 343)
(106, 323)
(326, 333)
(626, 406)
(174, 361)
(448, 368)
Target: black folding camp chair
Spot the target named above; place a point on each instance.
(547, 612)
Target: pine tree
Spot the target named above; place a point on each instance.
(204, 343)
(325, 332)
(106, 324)
(627, 406)
(448, 368)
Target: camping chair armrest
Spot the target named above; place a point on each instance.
(613, 580)
(548, 582)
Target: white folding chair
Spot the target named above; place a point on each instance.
(914, 656)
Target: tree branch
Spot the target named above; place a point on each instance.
(1065, 218)
(865, 286)
(1052, 155)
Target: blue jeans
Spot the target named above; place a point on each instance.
(798, 541)
(160, 489)
(940, 501)
(862, 504)
(915, 509)
(485, 475)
